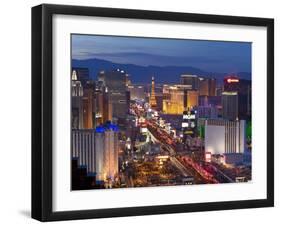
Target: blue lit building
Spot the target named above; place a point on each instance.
(97, 151)
(107, 147)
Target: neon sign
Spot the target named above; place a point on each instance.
(230, 80)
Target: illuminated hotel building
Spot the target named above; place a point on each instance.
(76, 86)
(177, 98)
(244, 90)
(174, 100)
(230, 105)
(114, 80)
(225, 137)
(192, 98)
(83, 149)
(97, 150)
(82, 100)
(203, 87)
(207, 86)
(212, 86)
(87, 105)
(191, 80)
(107, 146)
(100, 145)
(82, 74)
(245, 97)
(76, 102)
(119, 104)
(136, 92)
(107, 108)
(103, 107)
(115, 83)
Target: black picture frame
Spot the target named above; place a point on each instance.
(42, 111)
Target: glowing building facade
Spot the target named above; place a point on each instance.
(107, 146)
(88, 105)
(97, 151)
(178, 98)
(224, 136)
(192, 98)
(174, 101)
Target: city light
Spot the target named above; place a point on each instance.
(134, 127)
(230, 80)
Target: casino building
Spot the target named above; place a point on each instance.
(224, 136)
(177, 98)
(243, 88)
(97, 151)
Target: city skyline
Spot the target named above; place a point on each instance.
(194, 130)
(211, 56)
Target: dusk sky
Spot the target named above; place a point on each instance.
(215, 56)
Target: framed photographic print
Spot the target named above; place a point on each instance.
(146, 112)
